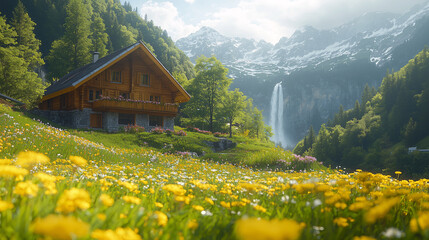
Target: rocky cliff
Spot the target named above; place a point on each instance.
(320, 69)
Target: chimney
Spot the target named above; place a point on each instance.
(96, 55)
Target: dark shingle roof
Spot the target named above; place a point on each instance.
(76, 76)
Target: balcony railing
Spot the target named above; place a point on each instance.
(143, 107)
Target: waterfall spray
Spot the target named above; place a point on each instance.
(276, 120)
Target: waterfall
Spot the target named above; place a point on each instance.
(276, 120)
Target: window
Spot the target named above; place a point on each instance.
(126, 119)
(115, 77)
(155, 121)
(144, 79)
(155, 98)
(94, 94)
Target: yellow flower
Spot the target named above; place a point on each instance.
(341, 222)
(380, 211)
(185, 199)
(101, 216)
(421, 223)
(73, 199)
(198, 207)
(304, 187)
(26, 189)
(252, 186)
(363, 238)
(161, 218)
(60, 227)
(5, 205)
(253, 228)
(106, 200)
(193, 224)
(175, 189)
(78, 161)
(131, 199)
(160, 205)
(340, 205)
(5, 161)
(48, 182)
(362, 205)
(260, 208)
(225, 204)
(29, 159)
(12, 171)
(118, 234)
(209, 200)
(130, 186)
(398, 172)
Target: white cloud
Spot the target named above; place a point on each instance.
(269, 19)
(165, 15)
(190, 1)
(272, 19)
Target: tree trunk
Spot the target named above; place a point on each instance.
(230, 127)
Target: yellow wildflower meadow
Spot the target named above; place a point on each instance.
(54, 185)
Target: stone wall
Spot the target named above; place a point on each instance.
(142, 120)
(169, 123)
(81, 119)
(74, 118)
(110, 121)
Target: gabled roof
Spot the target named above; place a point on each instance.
(79, 76)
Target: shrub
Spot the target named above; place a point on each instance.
(180, 133)
(133, 129)
(219, 134)
(157, 130)
(169, 132)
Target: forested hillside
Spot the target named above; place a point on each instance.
(69, 30)
(376, 134)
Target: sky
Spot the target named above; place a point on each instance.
(267, 20)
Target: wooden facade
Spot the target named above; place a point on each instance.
(133, 82)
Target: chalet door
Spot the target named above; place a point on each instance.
(96, 120)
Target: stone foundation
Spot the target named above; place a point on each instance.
(81, 119)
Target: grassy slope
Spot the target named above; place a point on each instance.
(249, 152)
(228, 194)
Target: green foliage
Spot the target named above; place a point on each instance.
(207, 89)
(17, 76)
(99, 36)
(233, 104)
(112, 26)
(375, 134)
(27, 42)
(72, 50)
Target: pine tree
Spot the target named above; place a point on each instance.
(73, 49)
(26, 39)
(99, 36)
(77, 31)
(16, 80)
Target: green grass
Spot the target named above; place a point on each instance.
(423, 144)
(214, 197)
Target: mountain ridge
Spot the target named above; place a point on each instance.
(344, 58)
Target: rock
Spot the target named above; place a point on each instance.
(221, 145)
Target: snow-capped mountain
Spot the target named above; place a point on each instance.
(322, 68)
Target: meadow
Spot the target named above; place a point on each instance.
(57, 185)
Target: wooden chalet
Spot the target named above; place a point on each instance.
(127, 87)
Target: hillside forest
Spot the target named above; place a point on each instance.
(376, 134)
(41, 41)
